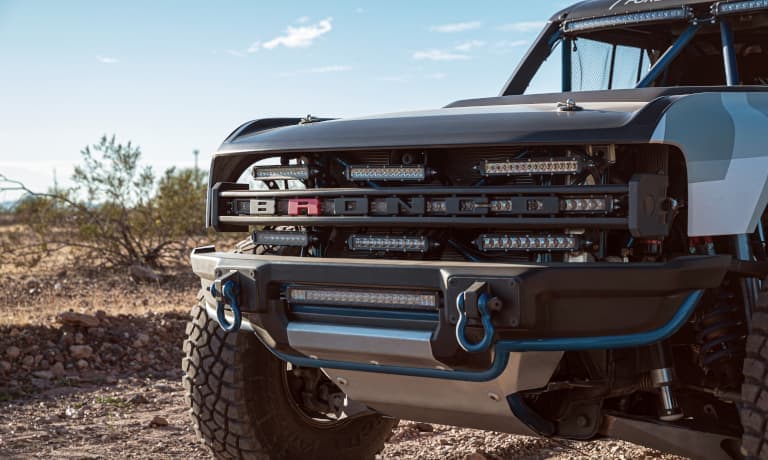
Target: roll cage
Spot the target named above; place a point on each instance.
(683, 24)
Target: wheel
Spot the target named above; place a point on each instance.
(754, 390)
(246, 403)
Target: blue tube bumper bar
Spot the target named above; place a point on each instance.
(504, 347)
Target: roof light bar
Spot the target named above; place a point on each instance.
(527, 243)
(388, 243)
(586, 205)
(643, 17)
(300, 172)
(387, 173)
(721, 8)
(281, 238)
(529, 167)
(362, 298)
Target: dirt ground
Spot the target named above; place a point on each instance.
(90, 368)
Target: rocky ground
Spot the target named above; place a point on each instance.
(89, 368)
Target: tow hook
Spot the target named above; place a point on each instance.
(476, 302)
(225, 290)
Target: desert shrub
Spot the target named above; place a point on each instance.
(117, 213)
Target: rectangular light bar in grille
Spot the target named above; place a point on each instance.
(526, 167)
(586, 205)
(506, 243)
(388, 243)
(387, 173)
(627, 19)
(300, 172)
(362, 298)
(281, 238)
(739, 7)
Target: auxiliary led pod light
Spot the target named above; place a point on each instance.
(362, 298)
(526, 167)
(300, 172)
(387, 173)
(491, 242)
(388, 243)
(587, 205)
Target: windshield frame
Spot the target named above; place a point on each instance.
(553, 34)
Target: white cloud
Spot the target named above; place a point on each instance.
(300, 37)
(457, 27)
(330, 68)
(322, 69)
(523, 26)
(303, 20)
(438, 55)
(255, 47)
(469, 45)
(235, 53)
(107, 60)
(435, 76)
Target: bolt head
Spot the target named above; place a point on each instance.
(341, 380)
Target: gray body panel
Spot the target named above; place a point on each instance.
(724, 137)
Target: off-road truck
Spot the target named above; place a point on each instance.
(577, 264)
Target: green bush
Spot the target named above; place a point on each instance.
(118, 213)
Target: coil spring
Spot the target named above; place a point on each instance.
(720, 335)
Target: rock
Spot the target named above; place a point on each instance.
(5, 366)
(424, 427)
(475, 456)
(82, 364)
(142, 274)
(138, 398)
(80, 351)
(58, 287)
(31, 283)
(57, 369)
(79, 338)
(12, 352)
(46, 375)
(40, 383)
(158, 421)
(71, 318)
(142, 340)
(61, 274)
(28, 361)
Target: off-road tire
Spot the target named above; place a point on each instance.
(241, 408)
(754, 391)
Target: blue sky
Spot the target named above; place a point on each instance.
(176, 76)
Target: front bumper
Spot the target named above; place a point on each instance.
(544, 308)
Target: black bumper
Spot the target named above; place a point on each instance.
(539, 303)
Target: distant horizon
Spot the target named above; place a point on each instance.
(175, 77)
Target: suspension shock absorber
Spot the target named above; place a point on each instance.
(719, 329)
(720, 335)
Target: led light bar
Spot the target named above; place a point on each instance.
(388, 243)
(387, 173)
(527, 243)
(586, 205)
(300, 172)
(281, 238)
(721, 8)
(528, 167)
(670, 14)
(362, 298)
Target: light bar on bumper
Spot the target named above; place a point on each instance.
(391, 299)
